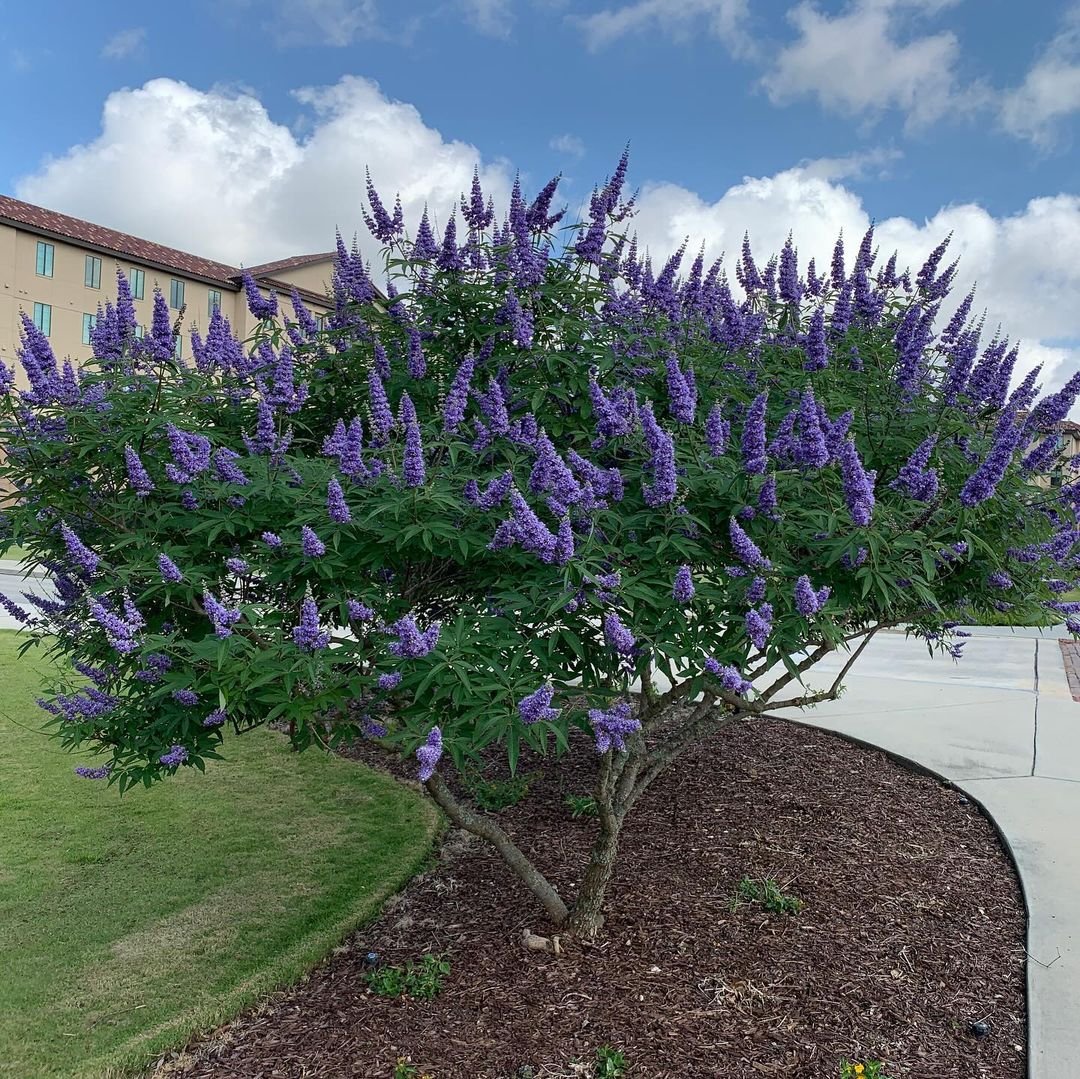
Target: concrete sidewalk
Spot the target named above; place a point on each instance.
(1002, 725)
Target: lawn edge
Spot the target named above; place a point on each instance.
(139, 1057)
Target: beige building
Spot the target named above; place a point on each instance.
(59, 269)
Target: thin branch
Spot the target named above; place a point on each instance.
(486, 828)
(833, 691)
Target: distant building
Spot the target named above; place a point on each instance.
(1064, 469)
(59, 269)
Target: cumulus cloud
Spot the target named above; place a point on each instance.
(1023, 264)
(123, 43)
(1050, 90)
(856, 166)
(724, 19)
(568, 144)
(857, 63)
(240, 186)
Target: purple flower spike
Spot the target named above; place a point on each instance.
(411, 643)
(759, 625)
(611, 727)
(389, 681)
(187, 697)
(807, 601)
(618, 637)
(858, 484)
(458, 396)
(215, 719)
(176, 756)
(412, 468)
(536, 707)
(79, 553)
(745, 549)
(753, 438)
(683, 589)
(271, 539)
(336, 507)
(138, 477)
(310, 544)
(359, 612)
(717, 431)
(170, 572)
(728, 677)
(260, 306)
(85, 772)
(429, 753)
(307, 636)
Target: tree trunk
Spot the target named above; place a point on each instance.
(587, 914)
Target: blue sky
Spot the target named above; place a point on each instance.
(241, 130)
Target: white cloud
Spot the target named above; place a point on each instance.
(725, 19)
(1024, 264)
(211, 172)
(239, 186)
(1051, 89)
(856, 63)
(568, 144)
(123, 43)
(855, 166)
(491, 17)
(324, 22)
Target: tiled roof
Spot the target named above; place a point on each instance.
(267, 269)
(63, 227)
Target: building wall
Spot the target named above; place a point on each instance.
(70, 298)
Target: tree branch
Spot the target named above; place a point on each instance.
(486, 828)
(832, 692)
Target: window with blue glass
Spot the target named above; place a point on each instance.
(176, 294)
(140, 331)
(137, 281)
(43, 317)
(92, 272)
(46, 253)
(214, 302)
(88, 323)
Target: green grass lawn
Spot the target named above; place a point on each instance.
(128, 924)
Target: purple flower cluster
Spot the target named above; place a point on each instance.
(753, 436)
(176, 756)
(811, 450)
(307, 636)
(170, 572)
(807, 601)
(682, 591)
(858, 484)
(86, 772)
(429, 753)
(915, 478)
(1000, 579)
(411, 643)
(337, 508)
(759, 625)
(271, 539)
(190, 453)
(81, 555)
(390, 680)
(612, 726)
(661, 462)
(215, 719)
(119, 631)
(729, 677)
(222, 617)
(682, 391)
(536, 707)
(982, 483)
(457, 398)
(412, 468)
(717, 431)
(359, 612)
(531, 534)
(138, 477)
(261, 307)
(745, 549)
(310, 544)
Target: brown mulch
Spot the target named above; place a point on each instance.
(913, 928)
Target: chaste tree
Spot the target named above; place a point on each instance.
(539, 492)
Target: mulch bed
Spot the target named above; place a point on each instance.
(913, 928)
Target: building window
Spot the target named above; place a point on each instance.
(176, 294)
(92, 273)
(322, 321)
(43, 317)
(214, 303)
(88, 324)
(137, 280)
(45, 255)
(178, 346)
(140, 331)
